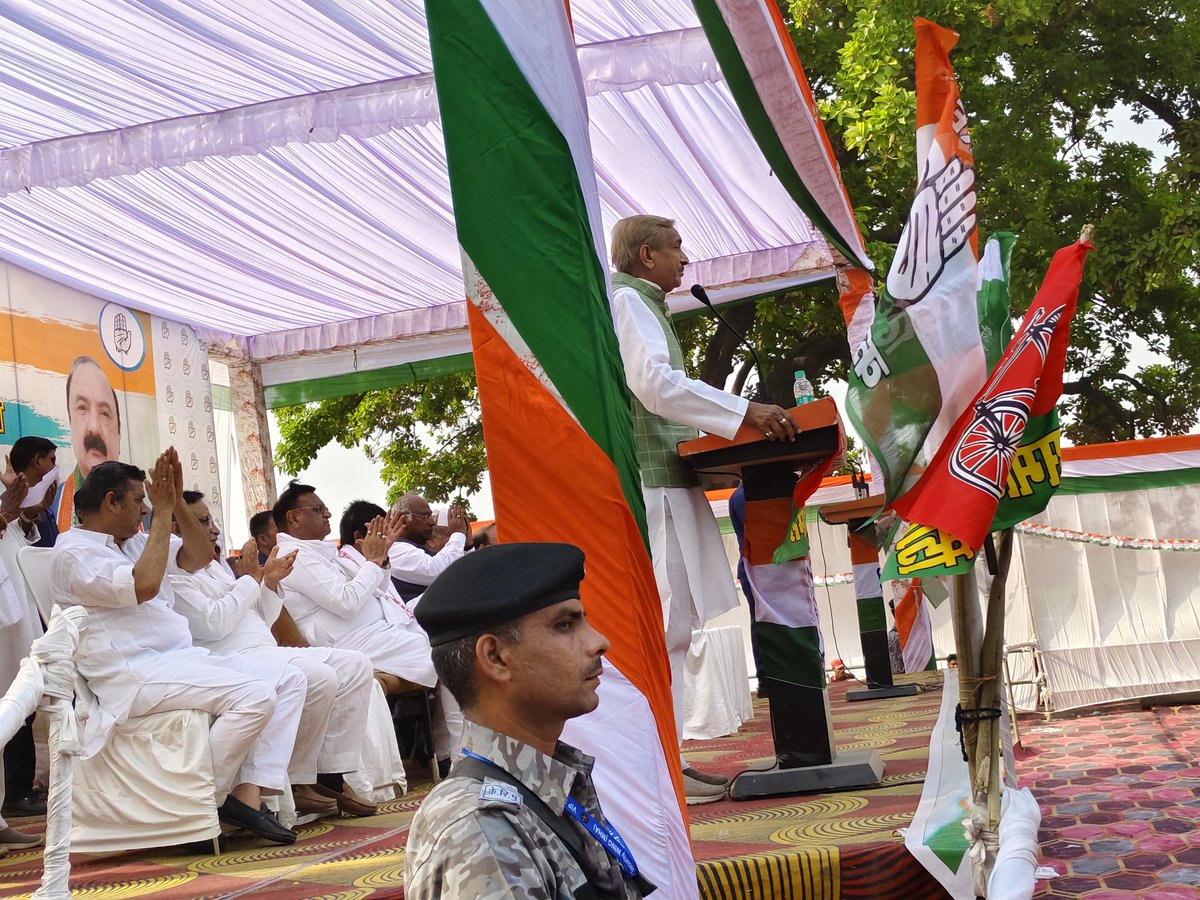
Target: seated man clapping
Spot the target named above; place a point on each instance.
(136, 651)
(233, 616)
(343, 597)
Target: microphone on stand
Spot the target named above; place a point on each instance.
(763, 395)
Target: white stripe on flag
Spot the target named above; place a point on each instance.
(866, 580)
(632, 783)
(991, 267)
(919, 647)
(784, 594)
(1132, 465)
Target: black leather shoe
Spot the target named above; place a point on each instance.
(22, 807)
(256, 821)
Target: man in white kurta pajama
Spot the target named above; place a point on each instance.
(136, 651)
(232, 615)
(340, 597)
(20, 624)
(690, 566)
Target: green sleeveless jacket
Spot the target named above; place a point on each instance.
(654, 436)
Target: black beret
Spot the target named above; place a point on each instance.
(495, 585)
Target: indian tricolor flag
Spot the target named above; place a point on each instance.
(763, 73)
(555, 409)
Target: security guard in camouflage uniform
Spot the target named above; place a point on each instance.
(518, 815)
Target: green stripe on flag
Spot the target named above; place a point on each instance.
(1134, 481)
(871, 616)
(993, 302)
(741, 85)
(522, 219)
(790, 654)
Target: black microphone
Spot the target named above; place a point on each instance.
(702, 295)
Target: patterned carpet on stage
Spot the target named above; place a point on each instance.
(1119, 789)
(822, 846)
(827, 846)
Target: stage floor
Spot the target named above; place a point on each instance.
(1119, 788)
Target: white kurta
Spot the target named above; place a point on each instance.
(138, 659)
(338, 602)
(448, 720)
(229, 615)
(690, 568)
(20, 624)
(412, 564)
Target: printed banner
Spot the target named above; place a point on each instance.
(89, 376)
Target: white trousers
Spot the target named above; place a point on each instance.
(690, 570)
(447, 724)
(257, 706)
(331, 733)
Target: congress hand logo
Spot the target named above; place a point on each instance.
(940, 225)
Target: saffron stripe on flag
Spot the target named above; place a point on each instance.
(556, 413)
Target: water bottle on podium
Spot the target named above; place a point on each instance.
(802, 389)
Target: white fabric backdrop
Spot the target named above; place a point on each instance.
(1117, 623)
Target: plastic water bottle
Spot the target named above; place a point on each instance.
(802, 389)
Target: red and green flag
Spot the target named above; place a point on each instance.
(1004, 447)
(556, 414)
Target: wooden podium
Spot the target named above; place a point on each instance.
(792, 666)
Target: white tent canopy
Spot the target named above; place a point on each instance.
(274, 172)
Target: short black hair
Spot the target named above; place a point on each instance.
(454, 662)
(107, 478)
(355, 519)
(482, 538)
(258, 523)
(952, 657)
(75, 364)
(190, 497)
(27, 449)
(289, 500)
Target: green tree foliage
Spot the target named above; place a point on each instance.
(1040, 81)
(426, 437)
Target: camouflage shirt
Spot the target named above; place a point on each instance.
(473, 839)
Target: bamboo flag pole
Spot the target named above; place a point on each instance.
(968, 636)
(989, 694)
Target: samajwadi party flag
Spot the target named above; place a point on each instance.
(915, 351)
(556, 413)
(956, 500)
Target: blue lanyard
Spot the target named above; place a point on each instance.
(610, 839)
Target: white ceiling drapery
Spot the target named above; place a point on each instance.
(274, 172)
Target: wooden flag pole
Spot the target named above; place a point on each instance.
(990, 695)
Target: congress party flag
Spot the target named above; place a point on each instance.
(556, 413)
(993, 299)
(955, 503)
(916, 353)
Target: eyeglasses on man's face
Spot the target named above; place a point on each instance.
(321, 508)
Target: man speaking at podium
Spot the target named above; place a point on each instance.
(690, 568)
